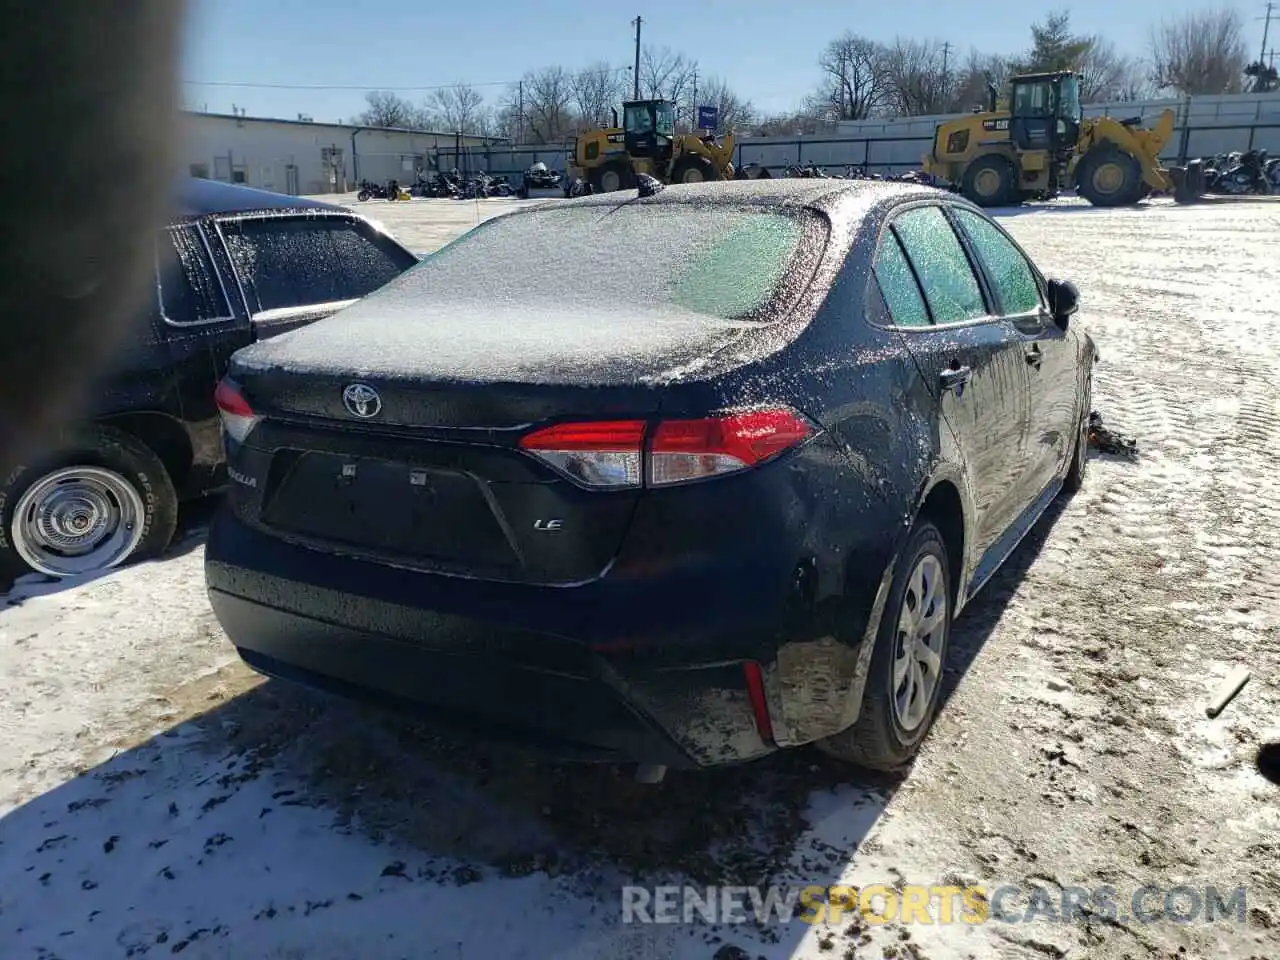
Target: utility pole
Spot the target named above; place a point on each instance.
(693, 108)
(520, 115)
(636, 23)
(1266, 28)
(946, 55)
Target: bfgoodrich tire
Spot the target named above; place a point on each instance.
(904, 683)
(103, 500)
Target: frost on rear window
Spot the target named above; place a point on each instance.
(188, 286)
(725, 262)
(303, 261)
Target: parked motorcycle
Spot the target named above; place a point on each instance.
(371, 191)
(1243, 174)
(539, 181)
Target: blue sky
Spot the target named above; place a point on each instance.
(765, 50)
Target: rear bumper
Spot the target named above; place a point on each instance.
(536, 666)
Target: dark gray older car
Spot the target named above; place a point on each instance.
(233, 266)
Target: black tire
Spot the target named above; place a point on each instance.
(604, 175)
(877, 740)
(107, 449)
(990, 181)
(362, 196)
(693, 168)
(1109, 177)
(1079, 465)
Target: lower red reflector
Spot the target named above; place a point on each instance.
(759, 705)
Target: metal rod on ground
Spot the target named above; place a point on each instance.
(1231, 686)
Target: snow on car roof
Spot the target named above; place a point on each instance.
(200, 198)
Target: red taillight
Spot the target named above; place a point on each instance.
(611, 453)
(238, 418)
(692, 449)
(604, 453)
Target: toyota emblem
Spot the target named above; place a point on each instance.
(361, 400)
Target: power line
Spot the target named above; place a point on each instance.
(251, 85)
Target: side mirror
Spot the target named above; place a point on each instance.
(1064, 300)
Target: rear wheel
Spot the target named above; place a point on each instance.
(693, 168)
(990, 182)
(612, 177)
(362, 196)
(106, 500)
(1109, 177)
(904, 683)
(1074, 479)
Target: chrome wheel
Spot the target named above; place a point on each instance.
(77, 520)
(921, 636)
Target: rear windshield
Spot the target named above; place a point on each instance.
(721, 261)
(303, 261)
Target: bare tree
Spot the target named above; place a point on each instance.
(792, 124)
(731, 109)
(388, 110)
(597, 91)
(1203, 52)
(459, 108)
(1102, 71)
(548, 105)
(855, 79)
(918, 85)
(968, 86)
(667, 74)
(1135, 82)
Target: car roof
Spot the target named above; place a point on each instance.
(202, 198)
(819, 193)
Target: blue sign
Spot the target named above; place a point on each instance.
(708, 118)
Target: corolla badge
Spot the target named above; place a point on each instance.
(361, 400)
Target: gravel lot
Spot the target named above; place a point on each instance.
(156, 798)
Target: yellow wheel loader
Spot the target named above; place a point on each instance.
(1043, 143)
(646, 142)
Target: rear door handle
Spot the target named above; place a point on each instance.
(955, 377)
(1034, 356)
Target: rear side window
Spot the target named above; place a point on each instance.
(303, 261)
(941, 264)
(898, 285)
(1013, 278)
(188, 285)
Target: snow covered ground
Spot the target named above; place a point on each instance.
(156, 798)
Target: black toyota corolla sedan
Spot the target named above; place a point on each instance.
(676, 479)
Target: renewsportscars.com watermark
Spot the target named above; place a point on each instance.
(932, 904)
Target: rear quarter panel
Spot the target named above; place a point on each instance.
(861, 485)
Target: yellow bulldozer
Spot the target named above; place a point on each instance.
(646, 143)
(1043, 143)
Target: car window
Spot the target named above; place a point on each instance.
(1013, 278)
(898, 285)
(189, 289)
(597, 261)
(941, 264)
(303, 261)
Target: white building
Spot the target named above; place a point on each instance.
(301, 157)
